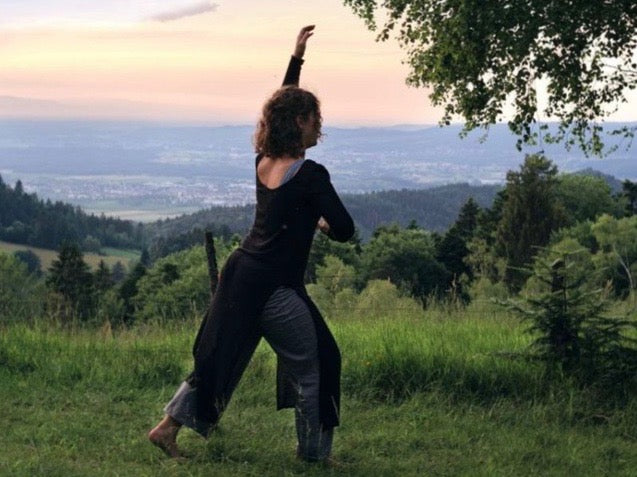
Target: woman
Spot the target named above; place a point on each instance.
(261, 291)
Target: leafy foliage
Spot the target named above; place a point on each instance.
(480, 57)
(585, 197)
(22, 295)
(322, 247)
(176, 287)
(618, 255)
(407, 258)
(334, 290)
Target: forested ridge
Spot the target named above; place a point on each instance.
(433, 209)
(27, 219)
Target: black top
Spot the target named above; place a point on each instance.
(286, 219)
(286, 216)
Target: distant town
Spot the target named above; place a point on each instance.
(146, 171)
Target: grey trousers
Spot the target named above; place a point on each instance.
(286, 324)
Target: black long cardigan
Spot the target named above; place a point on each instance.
(273, 254)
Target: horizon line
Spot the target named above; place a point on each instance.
(221, 124)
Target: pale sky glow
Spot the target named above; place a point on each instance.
(197, 61)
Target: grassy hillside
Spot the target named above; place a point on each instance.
(110, 257)
(436, 393)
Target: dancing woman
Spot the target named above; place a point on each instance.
(261, 291)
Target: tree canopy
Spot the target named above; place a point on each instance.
(479, 56)
(407, 257)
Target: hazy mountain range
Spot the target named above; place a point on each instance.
(151, 170)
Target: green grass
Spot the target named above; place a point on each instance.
(440, 394)
(120, 254)
(46, 256)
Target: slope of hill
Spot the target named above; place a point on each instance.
(26, 219)
(433, 209)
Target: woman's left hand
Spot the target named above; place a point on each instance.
(301, 40)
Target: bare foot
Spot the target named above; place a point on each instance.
(164, 436)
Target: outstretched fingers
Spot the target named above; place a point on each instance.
(301, 40)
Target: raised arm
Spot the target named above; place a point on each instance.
(293, 72)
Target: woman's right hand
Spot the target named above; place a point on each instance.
(323, 226)
(301, 40)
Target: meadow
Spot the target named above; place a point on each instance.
(110, 255)
(441, 392)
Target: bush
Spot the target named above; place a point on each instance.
(381, 299)
(333, 291)
(572, 333)
(21, 293)
(408, 259)
(176, 287)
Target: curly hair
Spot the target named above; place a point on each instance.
(278, 133)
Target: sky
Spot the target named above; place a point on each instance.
(199, 61)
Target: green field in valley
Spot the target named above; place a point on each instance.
(110, 255)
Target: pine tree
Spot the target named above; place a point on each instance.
(102, 278)
(452, 249)
(18, 190)
(629, 191)
(468, 218)
(529, 214)
(118, 273)
(70, 276)
(145, 258)
(128, 290)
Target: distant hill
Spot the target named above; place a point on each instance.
(614, 183)
(150, 170)
(27, 219)
(222, 220)
(434, 209)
